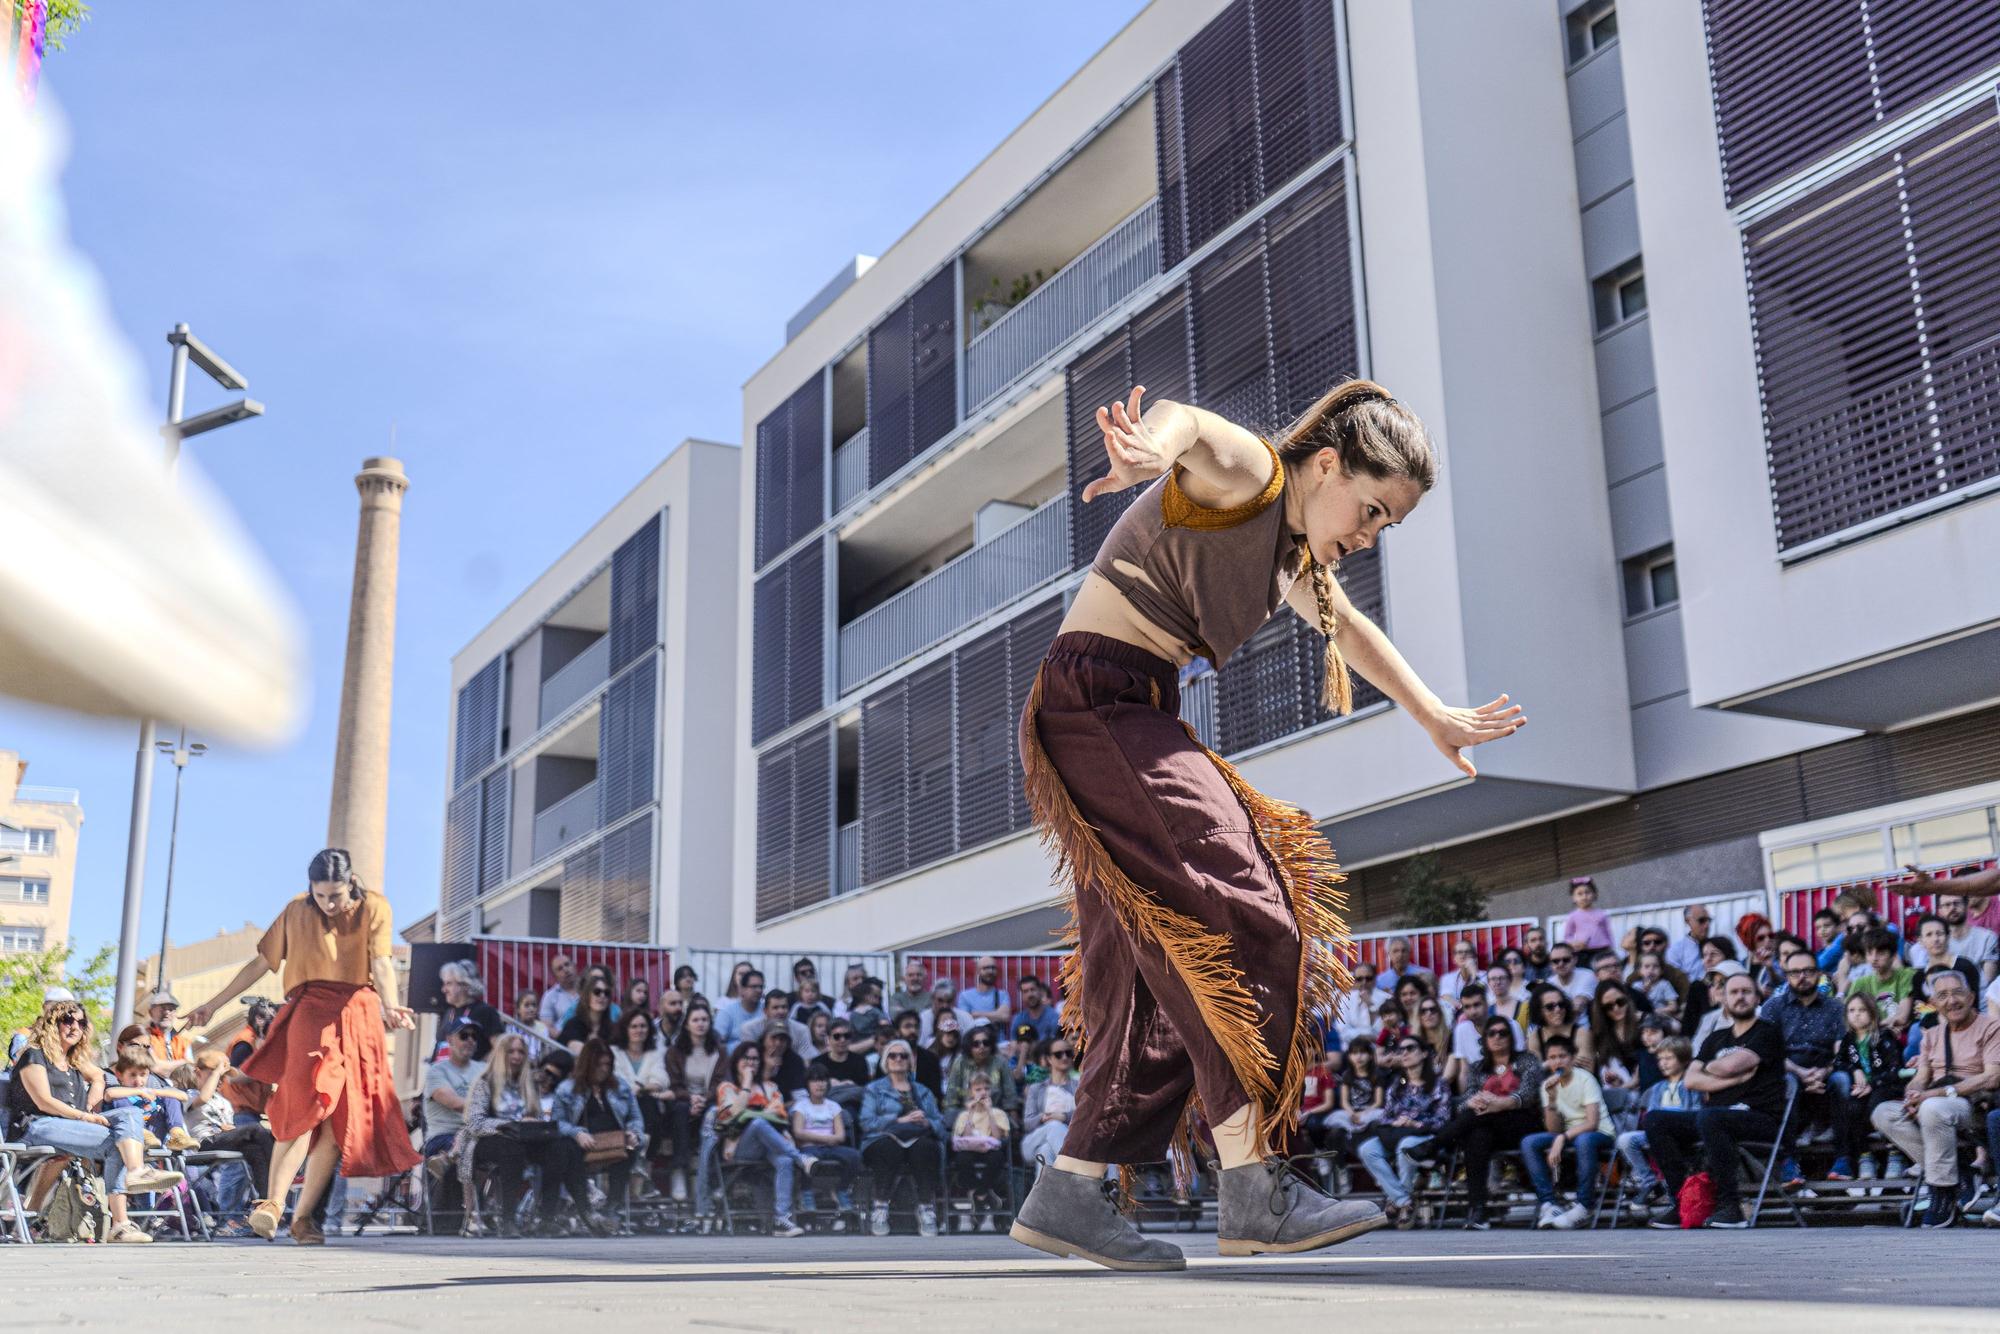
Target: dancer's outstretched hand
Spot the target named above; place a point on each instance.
(1136, 456)
(1455, 731)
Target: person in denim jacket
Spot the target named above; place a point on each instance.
(1418, 1104)
(902, 1131)
(594, 1100)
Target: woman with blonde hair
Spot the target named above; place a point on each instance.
(1207, 916)
(56, 1100)
(509, 1127)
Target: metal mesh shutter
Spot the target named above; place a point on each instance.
(1028, 639)
(769, 605)
(1261, 694)
(461, 850)
(627, 862)
(775, 832)
(626, 733)
(985, 728)
(934, 405)
(933, 827)
(1361, 579)
(812, 817)
(1219, 125)
(1161, 353)
(890, 387)
(1314, 342)
(477, 738)
(1094, 380)
(635, 594)
(582, 906)
(1876, 309)
(1172, 165)
(1298, 85)
(791, 470)
(884, 787)
(1923, 47)
(494, 804)
(1232, 333)
(788, 642)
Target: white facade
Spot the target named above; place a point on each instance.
(1500, 191)
(591, 748)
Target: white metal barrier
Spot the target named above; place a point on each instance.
(714, 967)
(1667, 916)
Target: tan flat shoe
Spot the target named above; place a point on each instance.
(305, 1231)
(264, 1218)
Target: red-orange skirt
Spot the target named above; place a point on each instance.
(326, 1056)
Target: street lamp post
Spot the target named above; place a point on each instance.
(180, 754)
(178, 428)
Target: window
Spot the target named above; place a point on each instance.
(1966, 836)
(1619, 295)
(1650, 582)
(20, 940)
(17, 890)
(41, 841)
(1591, 29)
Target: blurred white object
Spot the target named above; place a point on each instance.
(125, 588)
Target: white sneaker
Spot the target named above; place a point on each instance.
(878, 1219)
(677, 1186)
(129, 1234)
(926, 1220)
(1570, 1218)
(1545, 1217)
(140, 1180)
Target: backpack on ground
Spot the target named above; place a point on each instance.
(76, 1210)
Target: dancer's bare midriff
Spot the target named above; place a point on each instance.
(1100, 609)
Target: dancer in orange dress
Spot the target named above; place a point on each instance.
(335, 1104)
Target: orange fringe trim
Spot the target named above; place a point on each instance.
(1205, 959)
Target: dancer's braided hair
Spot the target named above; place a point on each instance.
(1370, 432)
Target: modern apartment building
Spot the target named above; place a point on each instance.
(1698, 301)
(39, 828)
(591, 754)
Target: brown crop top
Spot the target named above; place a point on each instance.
(1210, 577)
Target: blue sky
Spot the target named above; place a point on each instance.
(547, 251)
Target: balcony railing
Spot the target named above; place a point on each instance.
(577, 678)
(1198, 707)
(565, 822)
(1121, 261)
(956, 594)
(49, 796)
(850, 469)
(847, 858)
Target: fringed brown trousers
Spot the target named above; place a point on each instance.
(1206, 927)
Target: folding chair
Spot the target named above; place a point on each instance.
(205, 1159)
(18, 1162)
(1747, 1152)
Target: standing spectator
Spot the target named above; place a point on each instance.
(915, 993)
(693, 1060)
(1399, 966)
(446, 1084)
(982, 1056)
(563, 994)
(1555, 1016)
(1587, 928)
(1465, 972)
(778, 1014)
(1975, 944)
(901, 1131)
(1958, 1061)
(1812, 1025)
(1685, 953)
(55, 1099)
(528, 1014)
(986, 1000)
(1869, 1058)
(850, 1074)
(1503, 1106)
(819, 1128)
(944, 1001)
(748, 1005)
(1566, 977)
(1354, 1008)
(1739, 1070)
(929, 1067)
(597, 1109)
(750, 1121)
(1050, 1104)
(507, 1128)
(1933, 949)
(1669, 1093)
(1573, 1113)
(1416, 1108)
(1535, 953)
(979, 1149)
(1036, 1009)
(595, 1017)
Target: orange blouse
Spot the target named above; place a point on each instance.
(311, 948)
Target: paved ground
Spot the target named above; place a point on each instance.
(1828, 1280)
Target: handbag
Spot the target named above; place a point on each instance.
(528, 1132)
(1697, 1200)
(606, 1147)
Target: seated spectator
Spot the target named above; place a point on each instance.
(986, 1000)
(783, 1066)
(638, 995)
(850, 1073)
(982, 1056)
(1685, 953)
(1555, 1016)
(1362, 1088)
(947, 1046)
(1587, 928)
(1969, 941)
(1535, 953)
(1868, 1058)
(1959, 1060)
(1668, 1093)
(753, 1127)
(641, 1061)
(1617, 1043)
(599, 1111)
(777, 1013)
(134, 1080)
(915, 993)
(1516, 964)
(929, 1068)
(1467, 1036)
(1713, 1017)
(850, 982)
(1608, 967)
(944, 1001)
(819, 1128)
(212, 1121)
(562, 996)
(1415, 1108)
(508, 1128)
(865, 1015)
(1411, 993)
(901, 1133)
(465, 998)
(1465, 972)
(1573, 1117)
(1649, 979)
(528, 1014)
(1812, 1024)
(169, 1045)
(446, 1084)
(552, 1066)
(1934, 947)
(688, 983)
(53, 1095)
(807, 1002)
(817, 1024)
(1037, 1009)
(1564, 974)
(1049, 1106)
(745, 1007)
(673, 1013)
(595, 1018)
(1354, 1008)
(1504, 998)
(1319, 1098)
(693, 1061)
(1399, 966)
(979, 1150)
(1719, 949)
(1739, 1070)
(1501, 1107)
(1020, 1056)
(1392, 1024)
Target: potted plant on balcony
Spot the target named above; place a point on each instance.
(989, 306)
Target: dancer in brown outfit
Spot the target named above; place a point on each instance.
(1207, 918)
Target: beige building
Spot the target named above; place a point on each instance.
(198, 971)
(39, 830)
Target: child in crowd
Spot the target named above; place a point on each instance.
(1869, 1055)
(1669, 1093)
(1651, 982)
(820, 1129)
(1587, 928)
(979, 1150)
(166, 1119)
(1360, 1099)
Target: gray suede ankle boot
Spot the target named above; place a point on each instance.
(1266, 1209)
(1066, 1214)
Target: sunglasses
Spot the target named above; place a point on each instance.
(1552, 1005)
(1614, 1004)
(982, 1042)
(1409, 1048)
(1493, 1033)
(839, 1035)
(1562, 958)
(896, 1056)
(1063, 1052)
(599, 991)
(66, 1020)
(1430, 1009)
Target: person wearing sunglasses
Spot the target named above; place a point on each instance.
(595, 1017)
(1416, 1108)
(902, 1134)
(1685, 953)
(1050, 1104)
(56, 1100)
(1550, 1013)
(1501, 1105)
(982, 1056)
